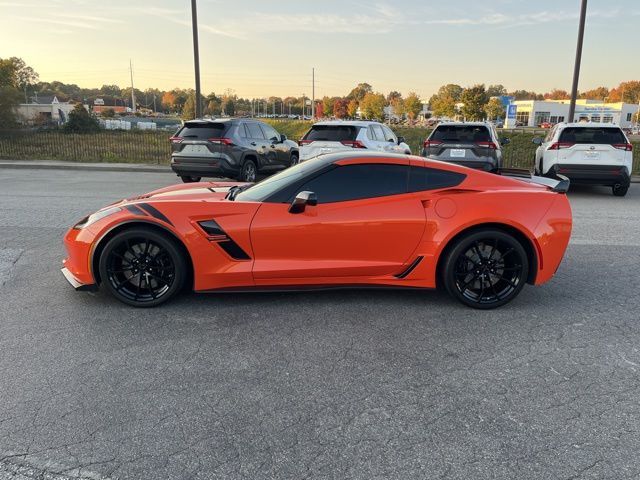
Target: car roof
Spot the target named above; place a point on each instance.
(329, 158)
(588, 125)
(205, 121)
(470, 124)
(347, 123)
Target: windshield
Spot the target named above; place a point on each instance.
(267, 187)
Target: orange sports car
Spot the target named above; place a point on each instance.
(339, 220)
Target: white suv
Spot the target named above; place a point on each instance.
(587, 153)
(333, 136)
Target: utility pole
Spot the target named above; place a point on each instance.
(133, 94)
(154, 103)
(313, 94)
(576, 69)
(303, 105)
(196, 56)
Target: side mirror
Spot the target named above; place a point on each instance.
(505, 141)
(301, 201)
(283, 138)
(401, 140)
(537, 141)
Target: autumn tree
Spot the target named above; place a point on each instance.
(599, 93)
(557, 94)
(628, 92)
(526, 95)
(412, 106)
(340, 108)
(494, 109)
(496, 90)
(16, 78)
(372, 106)
(189, 108)
(474, 99)
(443, 103)
(352, 108)
(359, 92)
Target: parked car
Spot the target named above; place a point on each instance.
(340, 220)
(236, 148)
(472, 144)
(546, 125)
(338, 135)
(587, 153)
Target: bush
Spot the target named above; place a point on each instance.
(81, 121)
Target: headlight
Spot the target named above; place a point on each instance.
(94, 217)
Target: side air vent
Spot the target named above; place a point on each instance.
(410, 268)
(216, 234)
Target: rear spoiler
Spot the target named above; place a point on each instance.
(560, 184)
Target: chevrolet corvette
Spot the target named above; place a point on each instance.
(341, 220)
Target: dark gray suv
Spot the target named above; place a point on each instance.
(472, 144)
(235, 148)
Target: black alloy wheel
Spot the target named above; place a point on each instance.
(486, 269)
(295, 159)
(249, 171)
(619, 190)
(190, 179)
(142, 267)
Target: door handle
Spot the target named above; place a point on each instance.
(273, 146)
(253, 144)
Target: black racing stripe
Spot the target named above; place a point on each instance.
(410, 268)
(234, 250)
(135, 210)
(154, 212)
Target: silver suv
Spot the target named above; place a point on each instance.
(472, 144)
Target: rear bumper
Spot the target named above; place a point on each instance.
(203, 167)
(608, 175)
(76, 283)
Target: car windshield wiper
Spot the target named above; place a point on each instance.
(235, 190)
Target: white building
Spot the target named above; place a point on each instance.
(44, 110)
(534, 112)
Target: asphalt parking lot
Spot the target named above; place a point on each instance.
(336, 385)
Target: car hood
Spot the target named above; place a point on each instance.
(189, 191)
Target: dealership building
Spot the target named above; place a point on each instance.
(534, 112)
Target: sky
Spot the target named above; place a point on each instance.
(260, 48)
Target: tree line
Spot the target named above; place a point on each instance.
(19, 83)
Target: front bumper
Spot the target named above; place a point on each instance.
(608, 175)
(77, 284)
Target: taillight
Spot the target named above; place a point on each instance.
(305, 142)
(489, 145)
(221, 141)
(627, 147)
(353, 143)
(431, 143)
(561, 145)
(176, 139)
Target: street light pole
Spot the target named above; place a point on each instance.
(576, 69)
(196, 56)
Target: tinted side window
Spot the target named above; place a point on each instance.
(270, 133)
(255, 131)
(423, 178)
(353, 182)
(379, 133)
(242, 131)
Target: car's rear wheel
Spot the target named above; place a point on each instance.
(485, 269)
(249, 171)
(142, 267)
(190, 179)
(619, 190)
(295, 159)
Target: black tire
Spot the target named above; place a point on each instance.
(619, 190)
(134, 251)
(485, 269)
(295, 159)
(248, 172)
(190, 179)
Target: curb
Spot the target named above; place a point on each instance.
(102, 167)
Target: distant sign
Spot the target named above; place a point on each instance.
(511, 111)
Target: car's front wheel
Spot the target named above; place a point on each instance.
(142, 267)
(485, 269)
